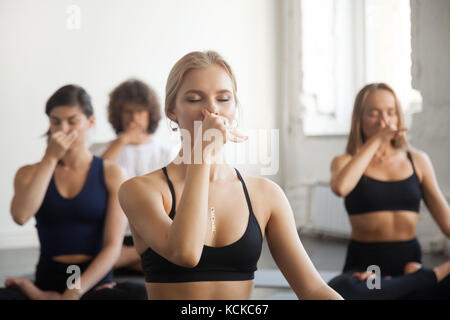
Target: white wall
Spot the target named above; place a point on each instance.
(118, 40)
(306, 160)
(431, 75)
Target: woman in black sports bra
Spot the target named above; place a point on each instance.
(198, 224)
(383, 182)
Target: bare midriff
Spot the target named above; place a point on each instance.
(72, 258)
(201, 290)
(384, 226)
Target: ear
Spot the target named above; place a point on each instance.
(171, 115)
(91, 121)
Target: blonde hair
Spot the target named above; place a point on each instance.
(194, 60)
(356, 137)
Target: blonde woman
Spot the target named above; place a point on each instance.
(383, 181)
(199, 227)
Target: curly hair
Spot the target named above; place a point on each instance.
(133, 91)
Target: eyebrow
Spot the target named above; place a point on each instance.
(201, 92)
(375, 108)
(70, 118)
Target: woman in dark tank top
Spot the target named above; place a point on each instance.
(382, 181)
(73, 197)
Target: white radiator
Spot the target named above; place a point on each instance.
(328, 215)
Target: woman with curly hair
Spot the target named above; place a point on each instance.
(134, 113)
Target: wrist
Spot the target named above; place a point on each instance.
(73, 294)
(50, 160)
(377, 140)
(122, 140)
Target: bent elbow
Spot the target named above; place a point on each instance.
(339, 191)
(16, 215)
(187, 259)
(19, 220)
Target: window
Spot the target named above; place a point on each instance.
(343, 45)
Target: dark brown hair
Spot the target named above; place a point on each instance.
(133, 91)
(70, 95)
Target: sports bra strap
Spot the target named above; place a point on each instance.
(411, 160)
(172, 192)
(245, 191)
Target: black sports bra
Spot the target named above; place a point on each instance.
(234, 262)
(371, 195)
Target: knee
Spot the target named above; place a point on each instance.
(344, 284)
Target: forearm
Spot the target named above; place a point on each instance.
(349, 176)
(98, 269)
(114, 149)
(323, 292)
(188, 229)
(26, 202)
(438, 207)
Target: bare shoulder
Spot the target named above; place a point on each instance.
(148, 183)
(25, 173)
(422, 162)
(145, 191)
(265, 195)
(261, 185)
(419, 155)
(112, 168)
(114, 174)
(270, 203)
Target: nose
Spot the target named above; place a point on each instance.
(385, 118)
(135, 116)
(211, 107)
(65, 127)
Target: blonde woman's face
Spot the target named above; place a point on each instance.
(210, 88)
(379, 107)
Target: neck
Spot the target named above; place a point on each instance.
(76, 157)
(219, 172)
(385, 148)
(148, 138)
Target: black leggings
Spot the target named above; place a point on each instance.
(391, 258)
(52, 276)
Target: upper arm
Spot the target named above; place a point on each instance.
(286, 247)
(143, 204)
(115, 222)
(98, 148)
(23, 177)
(337, 164)
(432, 195)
